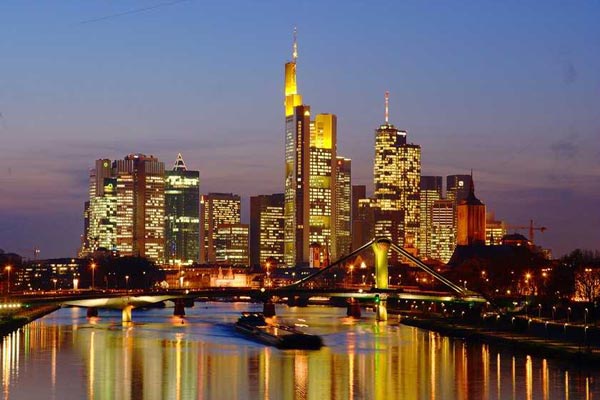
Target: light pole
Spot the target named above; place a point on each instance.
(54, 280)
(8, 268)
(93, 266)
(553, 312)
(585, 316)
(127, 283)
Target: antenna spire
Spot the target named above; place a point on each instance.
(295, 46)
(387, 107)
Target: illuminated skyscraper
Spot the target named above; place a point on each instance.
(431, 190)
(322, 177)
(266, 228)
(343, 210)
(297, 161)
(442, 230)
(140, 206)
(310, 160)
(101, 221)
(359, 192)
(231, 244)
(182, 219)
(397, 175)
(216, 209)
(470, 227)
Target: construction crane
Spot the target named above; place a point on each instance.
(530, 227)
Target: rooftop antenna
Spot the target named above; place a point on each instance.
(295, 46)
(387, 107)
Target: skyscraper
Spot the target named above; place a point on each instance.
(442, 230)
(322, 183)
(182, 215)
(101, 220)
(359, 192)
(216, 209)
(431, 190)
(470, 227)
(266, 228)
(343, 210)
(231, 244)
(310, 176)
(397, 174)
(140, 206)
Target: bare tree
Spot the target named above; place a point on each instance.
(587, 284)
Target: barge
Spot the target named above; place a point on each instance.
(254, 325)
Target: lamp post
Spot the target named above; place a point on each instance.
(127, 283)
(54, 280)
(93, 267)
(8, 268)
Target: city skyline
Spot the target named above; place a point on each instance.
(550, 183)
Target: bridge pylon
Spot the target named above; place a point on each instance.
(381, 248)
(126, 314)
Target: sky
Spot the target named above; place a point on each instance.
(509, 89)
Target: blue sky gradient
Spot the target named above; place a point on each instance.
(510, 89)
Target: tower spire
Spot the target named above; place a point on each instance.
(387, 107)
(295, 45)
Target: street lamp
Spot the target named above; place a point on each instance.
(585, 316)
(54, 280)
(93, 266)
(127, 283)
(8, 268)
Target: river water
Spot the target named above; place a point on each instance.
(66, 356)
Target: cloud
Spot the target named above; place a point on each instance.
(566, 149)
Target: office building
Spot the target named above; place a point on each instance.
(231, 244)
(216, 209)
(182, 215)
(431, 191)
(343, 208)
(266, 229)
(140, 206)
(442, 230)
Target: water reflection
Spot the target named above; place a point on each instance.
(64, 355)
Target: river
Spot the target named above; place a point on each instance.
(66, 356)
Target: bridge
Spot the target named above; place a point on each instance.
(303, 289)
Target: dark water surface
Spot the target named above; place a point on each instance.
(66, 356)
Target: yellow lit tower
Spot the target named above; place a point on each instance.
(397, 176)
(297, 161)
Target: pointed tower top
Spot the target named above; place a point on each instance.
(387, 107)
(295, 46)
(472, 184)
(179, 164)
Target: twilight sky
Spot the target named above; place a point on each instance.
(510, 89)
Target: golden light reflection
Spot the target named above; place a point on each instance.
(545, 380)
(528, 378)
(498, 376)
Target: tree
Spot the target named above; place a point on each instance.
(587, 284)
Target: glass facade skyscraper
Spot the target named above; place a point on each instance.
(182, 215)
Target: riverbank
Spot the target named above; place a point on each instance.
(541, 347)
(22, 317)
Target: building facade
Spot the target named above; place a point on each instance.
(470, 229)
(431, 191)
(182, 215)
(343, 208)
(266, 229)
(231, 244)
(442, 230)
(216, 209)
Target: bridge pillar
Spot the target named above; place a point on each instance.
(269, 309)
(381, 311)
(179, 310)
(381, 248)
(126, 315)
(91, 312)
(353, 309)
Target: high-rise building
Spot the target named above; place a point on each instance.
(266, 229)
(310, 177)
(140, 206)
(182, 215)
(102, 217)
(231, 244)
(457, 187)
(343, 210)
(442, 230)
(397, 175)
(359, 192)
(494, 230)
(470, 228)
(322, 184)
(431, 190)
(216, 209)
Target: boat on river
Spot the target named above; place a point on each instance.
(256, 326)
